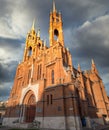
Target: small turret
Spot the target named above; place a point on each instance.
(30, 42)
(93, 67)
(79, 68)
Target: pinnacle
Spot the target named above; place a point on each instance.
(93, 61)
(33, 25)
(79, 67)
(38, 33)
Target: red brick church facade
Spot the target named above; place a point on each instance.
(49, 89)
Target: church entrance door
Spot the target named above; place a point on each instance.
(31, 109)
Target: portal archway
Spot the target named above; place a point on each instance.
(30, 106)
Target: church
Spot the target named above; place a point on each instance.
(49, 89)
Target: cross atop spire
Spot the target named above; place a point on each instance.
(54, 6)
(33, 25)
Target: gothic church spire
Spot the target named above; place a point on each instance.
(93, 61)
(54, 6)
(55, 28)
(33, 25)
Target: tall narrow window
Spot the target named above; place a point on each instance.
(51, 99)
(30, 51)
(29, 75)
(40, 70)
(56, 34)
(47, 99)
(52, 76)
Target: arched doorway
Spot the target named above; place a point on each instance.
(30, 106)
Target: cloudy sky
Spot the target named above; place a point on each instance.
(86, 33)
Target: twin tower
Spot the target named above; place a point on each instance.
(33, 41)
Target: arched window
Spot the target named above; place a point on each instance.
(56, 34)
(52, 76)
(30, 51)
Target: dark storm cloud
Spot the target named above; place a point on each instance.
(10, 48)
(10, 43)
(5, 7)
(92, 41)
(10, 54)
(7, 71)
(5, 90)
(74, 13)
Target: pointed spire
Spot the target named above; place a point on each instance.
(67, 49)
(78, 65)
(93, 61)
(79, 68)
(54, 6)
(33, 25)
(38, 33)
(44, 42)
(93, 67)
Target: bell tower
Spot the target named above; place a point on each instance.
(30, 43)
(55, 29)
